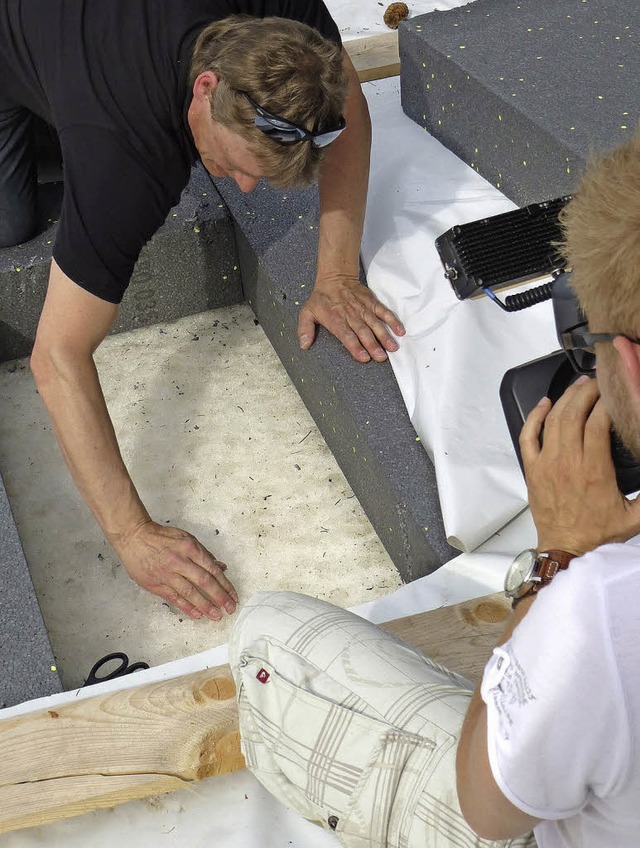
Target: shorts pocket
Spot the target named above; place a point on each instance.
(349, 771)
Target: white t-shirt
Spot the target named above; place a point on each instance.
(563, 705)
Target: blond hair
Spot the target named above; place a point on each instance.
(601, 228)
(290, 70)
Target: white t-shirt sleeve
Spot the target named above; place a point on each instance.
(556, 724)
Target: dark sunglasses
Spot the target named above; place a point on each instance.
(286, 132)
(579, 343)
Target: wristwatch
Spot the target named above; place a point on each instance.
(531, 571)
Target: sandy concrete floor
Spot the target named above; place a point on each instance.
(219, 443)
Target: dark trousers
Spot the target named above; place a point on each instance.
(23, 138)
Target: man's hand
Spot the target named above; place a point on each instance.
(174, 565)
(573, 495)
(354, 315)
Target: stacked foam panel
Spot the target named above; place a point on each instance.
(524, 90)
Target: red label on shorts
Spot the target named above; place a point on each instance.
(262, 675)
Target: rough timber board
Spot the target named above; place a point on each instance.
(375, 57)
(524, 90)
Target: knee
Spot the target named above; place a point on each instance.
(260, 616)
(16, 228)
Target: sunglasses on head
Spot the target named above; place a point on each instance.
(286, 132)
(579, 343)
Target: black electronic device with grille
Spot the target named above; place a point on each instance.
(503, 250)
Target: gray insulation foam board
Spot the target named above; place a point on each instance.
(358, 408)
(524, 90)
(27, 665)
(190, 265)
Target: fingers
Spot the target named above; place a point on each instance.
(306, 328)
(389, 318)
(356, 318)
(565, 424)
(597, 436)
(174, 565)
(530, 433)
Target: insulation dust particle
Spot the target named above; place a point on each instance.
(53, 668)
(196, 229)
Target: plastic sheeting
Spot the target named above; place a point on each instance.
(455, 353)
(361, 18)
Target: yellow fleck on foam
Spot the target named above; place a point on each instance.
(53, 668)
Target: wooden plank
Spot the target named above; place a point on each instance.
(155, 738)
(461, 636)
(375, 56)
(112, 748)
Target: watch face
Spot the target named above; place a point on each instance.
(520, 573)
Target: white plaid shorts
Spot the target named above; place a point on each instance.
(349, 726)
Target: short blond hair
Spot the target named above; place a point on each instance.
(601, 228)
(289, 69)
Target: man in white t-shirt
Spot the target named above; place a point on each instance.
(363, 734)
(551, 737)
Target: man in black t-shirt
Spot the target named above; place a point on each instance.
(137, 91)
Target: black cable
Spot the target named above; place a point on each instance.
(522, 300)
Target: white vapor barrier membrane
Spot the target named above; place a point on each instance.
(451, 362)
(234, 811)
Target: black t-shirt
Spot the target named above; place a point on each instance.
(111, 76)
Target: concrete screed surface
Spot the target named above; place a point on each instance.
(218, 442)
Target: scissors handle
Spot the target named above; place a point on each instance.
(119, 671)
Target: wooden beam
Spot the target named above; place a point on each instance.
(375, 56)
(159, 737)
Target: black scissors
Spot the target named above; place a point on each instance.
(120, 670)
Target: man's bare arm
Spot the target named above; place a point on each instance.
(575, 458)
(165, 560)
(339, 301)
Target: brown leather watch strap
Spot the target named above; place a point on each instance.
(549, 564)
